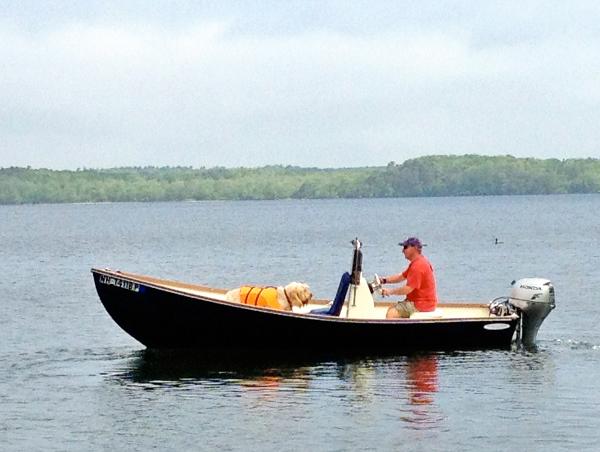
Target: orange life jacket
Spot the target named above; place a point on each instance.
(260, 296)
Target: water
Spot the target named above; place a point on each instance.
(70, 379)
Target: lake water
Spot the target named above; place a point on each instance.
(70, 379)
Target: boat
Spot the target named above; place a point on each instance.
(169, 314)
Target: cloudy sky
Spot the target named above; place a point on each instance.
(328, 84)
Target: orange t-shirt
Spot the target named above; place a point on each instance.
(419, 276)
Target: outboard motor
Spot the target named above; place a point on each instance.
(534, 299)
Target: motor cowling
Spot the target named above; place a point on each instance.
(534, 298)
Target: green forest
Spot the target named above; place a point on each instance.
(466, 175)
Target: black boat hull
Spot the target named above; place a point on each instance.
(159, 317)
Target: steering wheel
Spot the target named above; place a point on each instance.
(375, 285)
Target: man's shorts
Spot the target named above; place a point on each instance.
(405, 309)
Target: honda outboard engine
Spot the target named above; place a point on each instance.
(534, 299)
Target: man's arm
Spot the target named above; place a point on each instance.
(394, 279)
(404, 290)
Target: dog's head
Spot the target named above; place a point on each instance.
(299, 294)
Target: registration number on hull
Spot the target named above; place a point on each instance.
(121, 283)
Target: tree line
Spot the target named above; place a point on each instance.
(440, 175)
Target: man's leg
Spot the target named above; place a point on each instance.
(402, 310)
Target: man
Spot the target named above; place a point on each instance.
(420, 288)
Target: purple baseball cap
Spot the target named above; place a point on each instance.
(412, 241)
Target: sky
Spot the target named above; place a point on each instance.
(101, 84)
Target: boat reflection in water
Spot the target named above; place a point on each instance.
(406, 384)
(422, 378)
(176, 368)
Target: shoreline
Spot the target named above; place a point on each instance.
(203, 201)
(430, 176)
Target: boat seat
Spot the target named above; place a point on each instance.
(336, 307)
(436, 314)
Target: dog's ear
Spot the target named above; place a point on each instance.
(295, 299)
(306, 294)
(309, 294)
